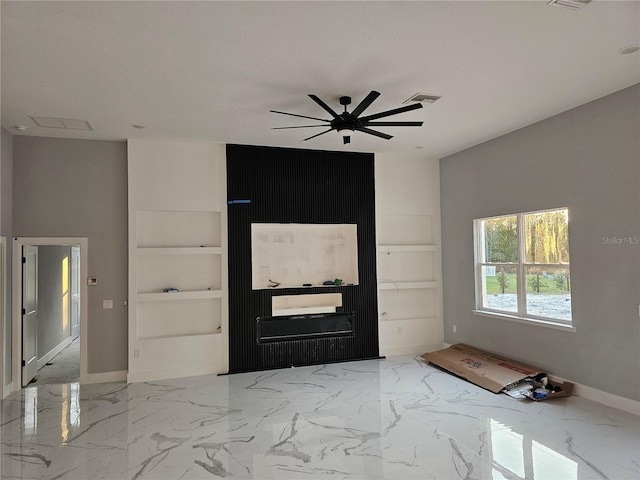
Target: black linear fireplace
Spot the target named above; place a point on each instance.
(306, 326)
(302, 257)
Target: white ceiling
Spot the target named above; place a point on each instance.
(211, 71)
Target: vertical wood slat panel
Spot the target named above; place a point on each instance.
(298, 186)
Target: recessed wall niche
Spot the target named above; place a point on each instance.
(294, 254)
(308, 193)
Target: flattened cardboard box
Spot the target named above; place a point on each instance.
(482, 368)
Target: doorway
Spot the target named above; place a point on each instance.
(67, 262)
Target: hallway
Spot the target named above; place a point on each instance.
(63, 368)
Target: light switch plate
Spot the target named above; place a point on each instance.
(107, 304)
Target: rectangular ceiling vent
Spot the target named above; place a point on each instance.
(575, 4)
(422, 98)
(64, 123)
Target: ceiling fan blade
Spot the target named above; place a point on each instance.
(364, 104)
(323, 105)
(375, 133)
(301, 116)
(395, 111)
(299, 126)
(317, 135)
(393, 124)
(346, 140)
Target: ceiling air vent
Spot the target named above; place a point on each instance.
(575, 4)
(422, 98)
(64, 123)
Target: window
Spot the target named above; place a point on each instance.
(522, 266)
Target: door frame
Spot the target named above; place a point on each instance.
(74, 290)
(4, 388)
(16, 295)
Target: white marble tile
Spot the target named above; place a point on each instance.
(25, 461)
(394, 419)
(223, 442)
(87, 462)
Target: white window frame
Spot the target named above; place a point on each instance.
(521, 315)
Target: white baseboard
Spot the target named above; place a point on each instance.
(163, 374)
(7, 390)
(47, 357)
(105, 377)
(611, 400)
(409, 349)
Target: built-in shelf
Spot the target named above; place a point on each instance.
(170, 296)
(163, 337)
(407, 248)
(407, 285)
(179, 250)
(415, 319)
(280, 287)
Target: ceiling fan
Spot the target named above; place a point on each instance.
(346, 123)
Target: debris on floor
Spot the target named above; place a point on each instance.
(538, 388)
(498, 374)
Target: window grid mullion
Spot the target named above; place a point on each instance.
(522, 283)
(478, 234)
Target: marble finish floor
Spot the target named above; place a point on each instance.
(398, 418)
(63, 368)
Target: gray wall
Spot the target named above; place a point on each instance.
(53, 300)
(6, 215)
(6, 176)
(78, 188)
(587, 159)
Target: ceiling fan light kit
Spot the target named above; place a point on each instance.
(346, 123)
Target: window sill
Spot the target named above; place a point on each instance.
(526, 320)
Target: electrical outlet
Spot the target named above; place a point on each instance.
(136, 353)
(455, 329)
(107, 304)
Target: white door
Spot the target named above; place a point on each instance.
(75, 292)
(29, 313)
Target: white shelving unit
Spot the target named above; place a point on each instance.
(408, 282)
(409, 257)
(177, 240)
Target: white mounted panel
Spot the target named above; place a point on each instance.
(305, 304)
(294, 254)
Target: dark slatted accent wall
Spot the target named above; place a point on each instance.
(298, 186)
